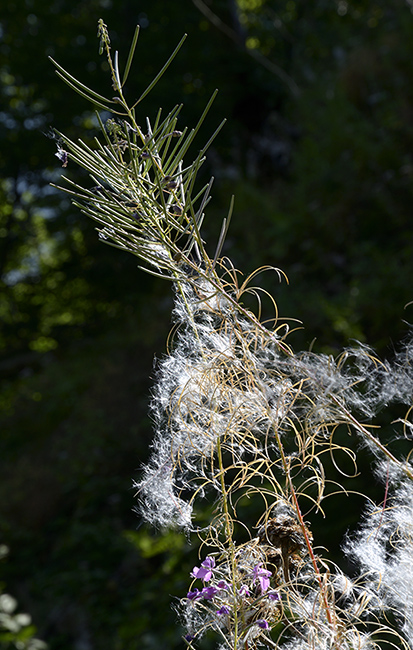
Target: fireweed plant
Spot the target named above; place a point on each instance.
(242, 419)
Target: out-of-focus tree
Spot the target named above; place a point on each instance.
(317, 149)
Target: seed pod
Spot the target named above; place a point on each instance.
(169, 183)
(175, 209)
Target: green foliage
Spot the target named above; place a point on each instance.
(16, 630)
(338, 219)
(72, 434)
(343, 167)
(333, 210)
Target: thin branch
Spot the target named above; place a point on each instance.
(254, 53)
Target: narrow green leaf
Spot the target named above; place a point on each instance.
(92, 100)
(131, 54)
(195, 130)
(66, 76)
(157, 275)
(161, 72)
(223, 233)
(168, 163)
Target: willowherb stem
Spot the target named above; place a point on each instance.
(241, 420)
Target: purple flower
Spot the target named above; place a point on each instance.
(222, 585)
(263, 576)
(273, 595)
(223, 610)
(209, 592)
(244, 591)
(189, 637)
(263, 624)
(204, 572)
(194, 595)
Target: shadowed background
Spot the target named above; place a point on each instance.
(317, 150)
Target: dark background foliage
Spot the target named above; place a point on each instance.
(318, 151)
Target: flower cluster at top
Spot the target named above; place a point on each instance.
(250, 597)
